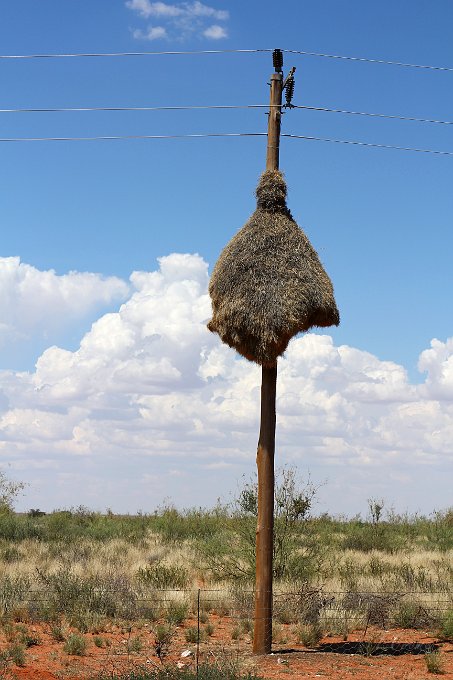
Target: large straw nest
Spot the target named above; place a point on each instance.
(268, 283)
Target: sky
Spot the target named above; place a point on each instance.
(113, 394)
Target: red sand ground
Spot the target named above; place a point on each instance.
(49, 661)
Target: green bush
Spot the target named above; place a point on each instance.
(412, 614)
(75, 644)
(230, 553)
(191, 634)
(13, 590)
(446, 629)
(163, 635)
(309, 634)
(164, 577)
(434, 663)
(77, 595)
(177, 612)
(135, 645)
(16, 653)
(226, 671)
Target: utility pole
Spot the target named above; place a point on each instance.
(262, 638)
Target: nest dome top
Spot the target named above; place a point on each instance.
(271, 191)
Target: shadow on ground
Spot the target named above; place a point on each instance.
(365, 648)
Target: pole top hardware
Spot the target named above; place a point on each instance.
(288, 86)
(277, 58)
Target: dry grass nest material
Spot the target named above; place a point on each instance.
(268, 283)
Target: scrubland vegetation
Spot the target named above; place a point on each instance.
(79, 571)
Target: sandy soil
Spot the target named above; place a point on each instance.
(48, 660)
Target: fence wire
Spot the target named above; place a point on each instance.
(186, 627)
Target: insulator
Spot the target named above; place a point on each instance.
(277, 58)
(289, 91)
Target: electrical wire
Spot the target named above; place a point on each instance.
(237, 51)
(377, 146)
(374, 115)
(124, 54)
(134, 108)
(115, 137)
(369, 60)
(222, 107)
(221, 134)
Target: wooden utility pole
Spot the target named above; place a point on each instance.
(262, 639)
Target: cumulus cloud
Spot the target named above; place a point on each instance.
(437, 362)
(180, 21)
(215, 32)
(150, 390)
(151, 33)
(34, 301)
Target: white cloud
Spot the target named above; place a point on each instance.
(34, 301)
(438, 363)
(182, 20)
(215, 32)
(146, 8)
(151, 33)
(198, 9)
(150, 389)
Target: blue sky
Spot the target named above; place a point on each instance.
(380, 219)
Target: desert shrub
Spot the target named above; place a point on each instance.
(27, 638)
(191, 634)
(376, 608)
(224, 671)
(16, 653)
(236, 633)
(247, 626)
(434, 663)
(243, 602)
(446, 628)
(365, 537)
(177, 612)
(87, 621)
(10, 554)
(13, 590)
(164, 577)
(412, 614)
(204, 617)
(174, 526)
(163, 635)
(107, 595)
(230, 553)
(59, 632)
(440, 530)
(9, 491)
(285, 612)
(75, 644)
(309, 634)
(135, 645)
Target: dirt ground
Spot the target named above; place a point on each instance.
(120, 651)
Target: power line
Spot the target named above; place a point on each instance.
(369, 60)
(115, 137)
(377, 146)
(220, 134)
(375, 115)
(134, 108)
(220, 107)
(125, 54)
(236, 51)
